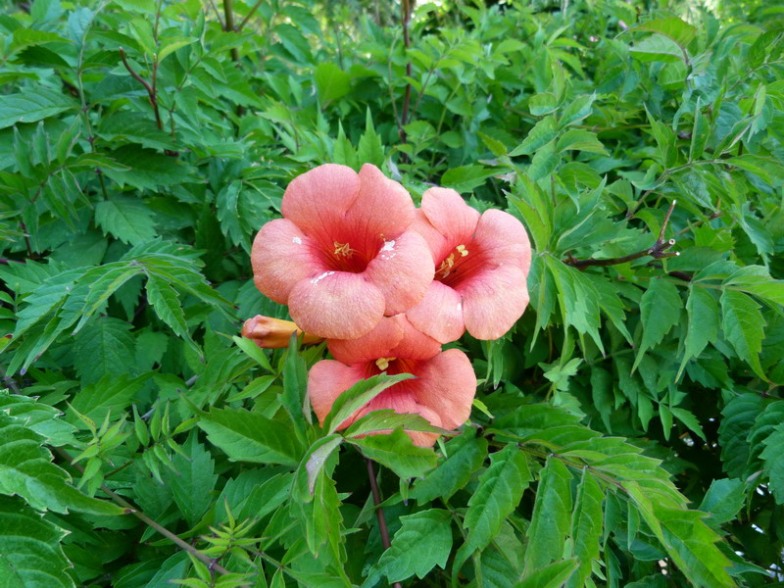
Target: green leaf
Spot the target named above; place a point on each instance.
(331, 81)
(423, 542)
(500, 489)
(703, 311)
(542, 133)
(688, 540)
(166, 303)
(578, 299)
(358, 396)
(773, 463)
(146, 168)
(660, 310)
(397, 452)
(724, 499)
(31, 546)
(768, 169)
(370, 149)
(251, 437)
(127, 219)
(33, 105)
(465, 455)
(657, 48)
(744, 327)
(105, 347)
(541, 104)
(737, 421)
(27, 471)
(111, 394)
(554, 575)
(577, 110)
(466, 178)
(192, 480)
(672, 27)
(385, 420)
(295, 382)
(580, 140)
(544, 161)
(587, 528)
(551, 521)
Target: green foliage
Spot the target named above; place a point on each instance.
(628, 426)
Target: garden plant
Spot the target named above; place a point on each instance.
(325, 294)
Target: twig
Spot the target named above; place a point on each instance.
(658, 250)
(131, 509)
(382, 523)
(151, 93)
(249, 15)
(228, 12)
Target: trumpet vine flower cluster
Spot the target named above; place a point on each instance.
(387, 284)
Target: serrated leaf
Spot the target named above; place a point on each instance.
(423, 542)
(358, 396)
(672, 27)
(703, 311)
(192, 480)
(166, 303)
(660, 310)
(146, 168)
(738, 418)
(127, 219)
(724, 499)
(370, 149)
(32, 554)
(112, 393)
(744, 327)
(331, 81)
(542, 133)
(466, 178)
(465, 456)
(576, 110)
(773, 463)
(500, 489)
(554, 575)
(252, 437)
(587, 528)
(27, 471)
(551, 520)
(544, 161)
(105, 347)
(397, 452)
(33, 105)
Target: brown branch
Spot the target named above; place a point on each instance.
(151, 92)
(131, 509)
(659, 250)
(382, 523)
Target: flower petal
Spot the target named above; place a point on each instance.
(327, 380)
(336, 305)
(318, 200)
(402, 270)
(451, 217)
(493, 301)
(379, 342)
(282, 256)
(440, 314)
(415, 344)
(382, 210)
(503, 239)
(446, 384)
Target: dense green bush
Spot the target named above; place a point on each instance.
(624, 433)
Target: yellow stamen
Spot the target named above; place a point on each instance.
(382, 363)
(449, 263)
(342, 249)
(461, 249)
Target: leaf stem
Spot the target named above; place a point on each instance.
(151, 93)
(131, 509)
(406, 7)
(658, 250)
(382, 523)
